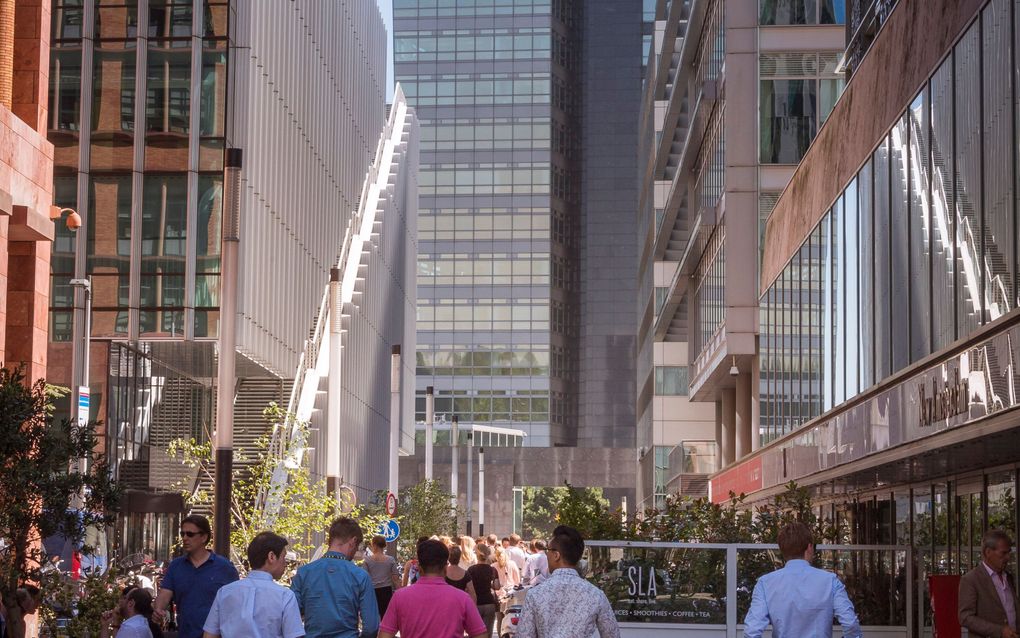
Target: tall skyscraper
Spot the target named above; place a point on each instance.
(528, 114)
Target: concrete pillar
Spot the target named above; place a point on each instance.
(743, 420)
(719, 462)
(28, 298)
(755, 405)
(729, 426)
(30, 78)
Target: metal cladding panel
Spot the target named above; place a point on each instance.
(308, 83)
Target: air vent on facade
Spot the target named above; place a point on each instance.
(787, 64)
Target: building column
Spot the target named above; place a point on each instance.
(743, 418)
(719, 461)
(755, 405)
(729, 426)
(28, 307)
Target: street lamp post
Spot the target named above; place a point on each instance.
(481, 491)
(454, 462)
(226, 373)
(468, 502)
(430, 417)
(85, 285)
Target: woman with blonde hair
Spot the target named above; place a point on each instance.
(467, 552)
(507, 571)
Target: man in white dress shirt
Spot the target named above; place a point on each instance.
(257, 607)
(516, 553)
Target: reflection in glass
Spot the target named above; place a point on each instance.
(109, 225)
(883, 264)
(852, 268)
(168, 92)
(967, 155)
(997, 118)
(899, 239)
(920, 231)
(839, 292)
(828, 314)
(942, 205)
(788, 119)
(866, 280)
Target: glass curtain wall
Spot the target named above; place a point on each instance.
(916, 252)
(495, 88)
(145, 200)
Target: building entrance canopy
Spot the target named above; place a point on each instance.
(937, 417)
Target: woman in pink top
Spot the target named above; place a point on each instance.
(430, 608)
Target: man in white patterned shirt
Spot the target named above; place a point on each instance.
(566, 605)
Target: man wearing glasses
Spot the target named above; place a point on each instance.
(566, 605)
(192, 580)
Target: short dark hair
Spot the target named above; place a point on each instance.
(569, 543)
(201, 522)
(379, 541)
(344, 529)
(261, 545)
(794, 540)
(453, 554)
(142, 600)
(432, 555)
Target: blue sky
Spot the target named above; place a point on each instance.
(386, 7)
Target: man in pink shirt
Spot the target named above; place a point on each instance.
(431, 608)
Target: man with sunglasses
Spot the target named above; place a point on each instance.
(566, 605)
(192, 580)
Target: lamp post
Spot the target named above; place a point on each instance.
(468, 502)
(85, 285)
(454, 462)
(481, 491)
(226, 373)
(430, 417)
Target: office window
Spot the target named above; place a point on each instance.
(967, 156)
(796, 12)
(671, 380)
(797, 93)
(942, 206)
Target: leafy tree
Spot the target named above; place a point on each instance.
(541, 505)
(587, 510)
(52, 480)
(306, 509)
(424, 509)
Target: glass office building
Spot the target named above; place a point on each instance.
(520, 206)
(142, 112)
(889, 316)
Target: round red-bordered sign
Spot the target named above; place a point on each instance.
(391, 504)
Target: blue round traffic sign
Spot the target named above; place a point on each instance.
(390, 530)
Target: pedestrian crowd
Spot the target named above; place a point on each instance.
(453, 586)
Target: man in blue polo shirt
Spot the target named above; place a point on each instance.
(333, 593)
(192, 580)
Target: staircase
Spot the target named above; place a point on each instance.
(254, 395)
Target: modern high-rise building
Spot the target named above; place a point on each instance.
(527, 245)
(735, 92)
(146, 98)
(889, 296)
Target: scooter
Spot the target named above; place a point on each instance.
(510, 605)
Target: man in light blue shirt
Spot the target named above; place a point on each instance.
(257, 607)
(799, 600)
(333, 592)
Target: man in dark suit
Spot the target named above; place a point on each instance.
(988, 600)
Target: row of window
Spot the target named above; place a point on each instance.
(917, 252)
(168, 19)
(797, 12)
(467, 8)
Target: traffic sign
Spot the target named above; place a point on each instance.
(391, 504)
(83, 404)
(390, 530)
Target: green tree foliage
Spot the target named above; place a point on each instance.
(306, 510)
(52, 480)
(424, 509)
(541, 505)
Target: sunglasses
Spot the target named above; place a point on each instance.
(190, 534)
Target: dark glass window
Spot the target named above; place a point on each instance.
(789, 119)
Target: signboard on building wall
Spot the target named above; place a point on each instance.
(958, 390)
(742, 478)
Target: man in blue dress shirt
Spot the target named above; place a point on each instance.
(192, 580)
(333, 592)
(799, 600)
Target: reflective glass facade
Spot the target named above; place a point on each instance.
(495, 84)
(138, 144)
(917, 252)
